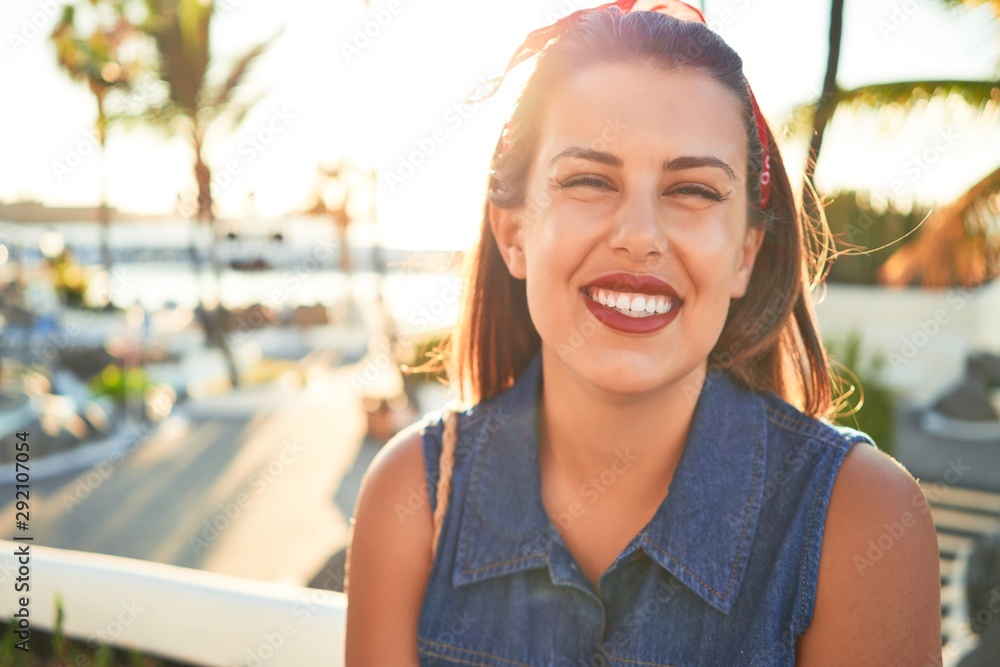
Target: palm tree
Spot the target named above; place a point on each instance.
(93, 54)
(330, 198)
(959, 244)
(179, 29)
(340, 192)
(826, 105)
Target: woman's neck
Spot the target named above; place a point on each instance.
(586, 435)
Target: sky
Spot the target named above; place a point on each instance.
(383, 87)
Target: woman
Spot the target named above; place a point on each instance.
(646, 476)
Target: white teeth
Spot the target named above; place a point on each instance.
(635, 305)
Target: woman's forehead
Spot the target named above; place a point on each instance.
(639, 110)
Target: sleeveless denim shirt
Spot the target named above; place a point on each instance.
(723, 574)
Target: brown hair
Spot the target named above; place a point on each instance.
(770, 341)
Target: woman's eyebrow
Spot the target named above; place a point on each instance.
(589, 154)
(676, 164)
(694, 161)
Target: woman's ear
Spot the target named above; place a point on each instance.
(745, 261)
(506, 226)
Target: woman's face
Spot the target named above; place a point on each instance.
(633, 236)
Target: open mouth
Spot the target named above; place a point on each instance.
(633, 304)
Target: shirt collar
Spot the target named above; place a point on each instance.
(701, 533)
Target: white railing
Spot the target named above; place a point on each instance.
(177, 613)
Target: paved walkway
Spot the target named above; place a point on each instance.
(244, 485)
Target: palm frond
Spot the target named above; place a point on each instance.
(235, 113)
(157, 116)
(959, 245)
(223, 95)
(908, 93)
(993, 4)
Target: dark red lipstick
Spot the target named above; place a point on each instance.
(649, 286)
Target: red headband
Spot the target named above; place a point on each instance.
(537, 40)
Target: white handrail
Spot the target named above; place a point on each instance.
(177, 613)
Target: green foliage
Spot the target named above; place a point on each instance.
(8, 654)
(69, 279)
(423, 364)
(119, 384)
(862, 402)
(58, 636)
(855, 224)
(103, 656)
(62, 651)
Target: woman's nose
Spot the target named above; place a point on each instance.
(638, 228)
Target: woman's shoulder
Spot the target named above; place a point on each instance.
(863, 481)
(791, 425)
(389, 557)
(406, 468)
(871, 544)
(393, 479)
(879, 573)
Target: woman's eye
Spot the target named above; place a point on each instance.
(700, 191)
(585, 180)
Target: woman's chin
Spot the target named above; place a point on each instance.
(619, 373)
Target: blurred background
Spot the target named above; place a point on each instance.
(224, 225)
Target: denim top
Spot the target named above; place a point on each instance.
(723, 574)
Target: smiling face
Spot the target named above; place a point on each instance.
(633, 235)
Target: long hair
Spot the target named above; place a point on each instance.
(770, 340)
